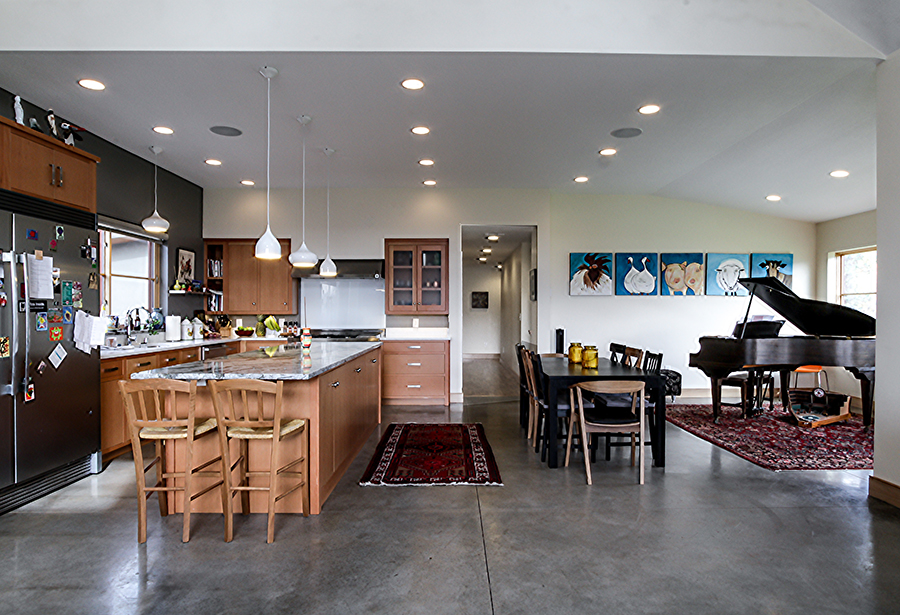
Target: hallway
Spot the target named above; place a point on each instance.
(710, 533)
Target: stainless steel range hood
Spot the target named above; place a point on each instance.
(372, 269)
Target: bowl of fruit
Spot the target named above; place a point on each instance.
(244, 331)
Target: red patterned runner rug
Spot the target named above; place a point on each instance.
(771, 440)
(433, 454)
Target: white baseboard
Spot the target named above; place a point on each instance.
(481, 355)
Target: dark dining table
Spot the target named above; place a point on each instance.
(557, 374)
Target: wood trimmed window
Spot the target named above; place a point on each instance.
(129, 273)
(858, 279)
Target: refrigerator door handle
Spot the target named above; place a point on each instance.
(9, 388)
(23, 259)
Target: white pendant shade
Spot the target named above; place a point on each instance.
(303, 257)
(267, 247)
(155, 223)
(328, 269)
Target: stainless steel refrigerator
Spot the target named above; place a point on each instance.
(49, 409)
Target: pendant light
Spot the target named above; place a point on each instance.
(267, 247)
(155, 223)
(303, 257)
(328, 269)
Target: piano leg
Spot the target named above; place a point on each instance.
(784, 381)
(866, 379)
(716, 389)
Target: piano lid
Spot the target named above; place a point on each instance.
(818, 318)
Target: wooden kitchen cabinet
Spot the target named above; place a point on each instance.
(38, 165)
(249, 285)
(416, 372)
(416, 275)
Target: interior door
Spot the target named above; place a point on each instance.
(62, 423)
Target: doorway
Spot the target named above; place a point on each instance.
(498, 310)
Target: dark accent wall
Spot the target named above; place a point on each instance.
(125, 192)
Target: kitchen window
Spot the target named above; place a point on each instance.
(129, 272)
(858, 279)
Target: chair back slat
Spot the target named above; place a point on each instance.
(652, 362)
(159, 400)
(246, 402)
(632, 357)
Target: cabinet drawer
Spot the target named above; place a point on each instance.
(189, 355)
(140, 364)
(112, 369)
(414, 363)
(170, 357)
(427, 385)
(393, 347)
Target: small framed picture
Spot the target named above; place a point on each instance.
(532, 284)
(184, 269)
(479, 300)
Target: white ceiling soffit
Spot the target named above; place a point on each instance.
(877, 22)
(697, 27)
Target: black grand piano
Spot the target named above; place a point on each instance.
(834, 335)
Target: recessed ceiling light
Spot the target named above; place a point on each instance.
(773, 197)
(91, 84)
(840, 173)
(649, 109)
(163, 130)
(486, 250)
(248, 182)
(420, 130)
(493, 237)
(429, 182)
(626, 133)
(213, 162)
(483, 259)
(413, 84)
(226, 131)
(580, 179)
(426, 162)
(499, 265)
(608, 151)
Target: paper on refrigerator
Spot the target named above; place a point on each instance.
(40, 277)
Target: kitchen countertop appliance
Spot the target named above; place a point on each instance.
(343, 335)
(49, 409)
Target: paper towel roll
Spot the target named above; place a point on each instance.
(173, 328)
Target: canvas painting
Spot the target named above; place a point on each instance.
(637, 273)
(778, 266)
(590, 273)
(184, 272)
(682, 273)
(479, 300)
(723, 272)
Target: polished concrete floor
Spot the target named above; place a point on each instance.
(710, 533)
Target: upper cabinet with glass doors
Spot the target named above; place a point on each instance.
(415, 276)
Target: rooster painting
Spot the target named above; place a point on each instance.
(590, 273)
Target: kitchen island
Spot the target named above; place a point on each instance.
(338, 390)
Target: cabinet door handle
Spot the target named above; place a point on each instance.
(51, 174)
(374, 360)
(143, 364)
(109, 370)
(413, 386)
(336, 384)
(414, 364)
(253, 303)
(413, 347)
(170, 359)
(59, 178)
(358, 369)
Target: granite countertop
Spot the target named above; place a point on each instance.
(154, 347)
(275, 363)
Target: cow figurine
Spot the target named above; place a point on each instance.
(773, 270)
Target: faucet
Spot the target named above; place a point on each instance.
(129, 327)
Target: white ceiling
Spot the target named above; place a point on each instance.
(474, 238)
(733, 128)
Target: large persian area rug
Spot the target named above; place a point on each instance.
(772, 441)
(432, 454)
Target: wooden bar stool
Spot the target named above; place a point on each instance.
(162, 410)
(250, 410)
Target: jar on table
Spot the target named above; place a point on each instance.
(589, 357)
(575, 351)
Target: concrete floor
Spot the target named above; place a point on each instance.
(710, 533)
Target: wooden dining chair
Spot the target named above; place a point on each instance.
(161, 411)
(632, 357)
(607, 421)
(652, 365)
(533, 409)
(616, 351)
(251, 410)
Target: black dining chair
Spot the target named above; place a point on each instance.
(564, 404)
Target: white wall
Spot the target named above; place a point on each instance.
(848, 233)
(481, 328)
(887, 391)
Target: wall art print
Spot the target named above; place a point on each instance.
(590, 273)
(723, 272)
(637, 273)
(681, 273)
(778, 266)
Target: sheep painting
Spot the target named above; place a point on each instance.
(590, 273)
(778, 266)
(636, 273)
(723, 272)
(682, 273)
